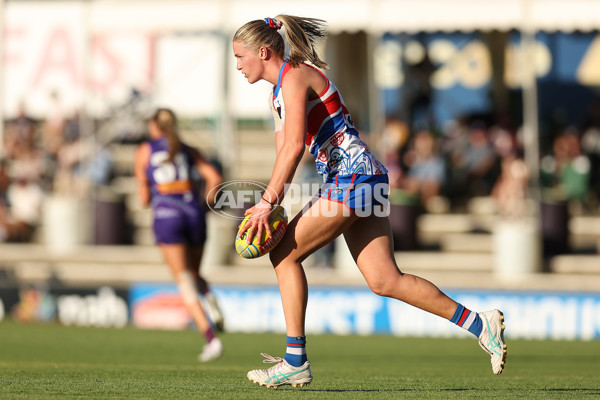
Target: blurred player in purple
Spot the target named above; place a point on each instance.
(164, 171)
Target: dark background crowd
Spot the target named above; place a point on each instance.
(436, 170)
(479, 156)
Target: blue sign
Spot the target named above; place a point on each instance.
(358, 311)
(439, 77)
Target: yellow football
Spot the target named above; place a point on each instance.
(260, 246)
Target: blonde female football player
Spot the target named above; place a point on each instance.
(163, 170)
(309, 112)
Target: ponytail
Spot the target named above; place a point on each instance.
(301, 34)
(167, 123)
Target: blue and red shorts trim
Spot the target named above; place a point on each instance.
(360, 193)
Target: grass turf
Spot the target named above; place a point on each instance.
(50, 361)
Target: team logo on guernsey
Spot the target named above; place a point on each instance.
(323, 155)
(337, 139)
(335, 159)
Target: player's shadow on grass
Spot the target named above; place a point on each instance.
(586, 391)
(594, 391)
(388, 390)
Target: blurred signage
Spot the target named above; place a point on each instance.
(460, 71)
(331, 310)
(54, 63)
(97, 307)
(51, 60)
(57, 56)
(101, 309)
(158, 306)
(343, 311)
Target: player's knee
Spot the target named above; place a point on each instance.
(385, 286)
(379, 287)
(274, 257)
(280, 254)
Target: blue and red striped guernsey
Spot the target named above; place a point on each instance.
(332, 138)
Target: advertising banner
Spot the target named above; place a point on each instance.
(346, 310)
(98, 307)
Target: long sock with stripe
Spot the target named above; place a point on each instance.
(295, 353)
(209, 334)
(468, 320)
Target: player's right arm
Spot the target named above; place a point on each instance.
(290, 137)
(279, 138)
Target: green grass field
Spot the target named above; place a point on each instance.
(56, 362)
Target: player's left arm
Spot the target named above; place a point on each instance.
(211, 176)
(142, 157)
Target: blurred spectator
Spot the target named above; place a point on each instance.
(456, 139)
(20, 132)
(53, 130)
(504, 141)
(80, 162)
(52, 139)
(480, 160)
(592, 116)
(72, 128)
(417, 90)
(590, 144)
(565, 173)
(4, 182)
(22, 214)
(69, 156)
(27, 162)
(426, 168)
(99, 167)
(475, 167)
(510, 190)
(395, 135)
(20, 193)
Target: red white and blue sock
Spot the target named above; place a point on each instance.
(295, 353)
(468, 320)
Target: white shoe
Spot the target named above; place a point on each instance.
(492, 338)
(211, 306)
(281, 374)
(211, 350)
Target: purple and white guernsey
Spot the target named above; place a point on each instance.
(178, 214)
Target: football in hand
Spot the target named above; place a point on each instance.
(260, 246)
